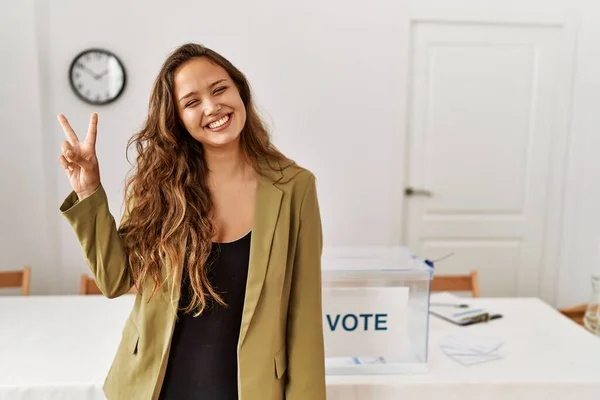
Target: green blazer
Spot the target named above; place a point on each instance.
(280, 348)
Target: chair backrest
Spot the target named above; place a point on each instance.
(457, 283)
(575, 313)
(18, 278)
(87, 285)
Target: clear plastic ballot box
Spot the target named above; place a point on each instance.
(375, 310)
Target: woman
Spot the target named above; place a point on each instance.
(221, 237)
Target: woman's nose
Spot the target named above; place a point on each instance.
(211, 108)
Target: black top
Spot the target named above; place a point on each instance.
(203, 357)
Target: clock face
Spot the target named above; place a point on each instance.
(97, 76)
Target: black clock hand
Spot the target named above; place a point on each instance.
(86, 69)
(101, 75)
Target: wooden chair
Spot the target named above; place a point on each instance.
(15, 279)
(87, 285)
(457, 283)
(575, 313)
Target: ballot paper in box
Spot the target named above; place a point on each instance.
(375, 310)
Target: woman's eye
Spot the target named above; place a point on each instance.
(191, 103)
(220, 90)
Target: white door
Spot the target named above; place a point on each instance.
(482, 131)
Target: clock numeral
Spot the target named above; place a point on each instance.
(79, 65)
(107, 95)
(79, 86)
(98, 55)
(87, 57)
(77, 75)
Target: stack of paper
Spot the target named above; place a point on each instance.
(459, 311)
(469, 348)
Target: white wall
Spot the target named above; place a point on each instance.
(25, 235)
(329, 76)
(581, 219)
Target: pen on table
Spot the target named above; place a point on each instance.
(457, 305)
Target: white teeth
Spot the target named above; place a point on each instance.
(216, 124)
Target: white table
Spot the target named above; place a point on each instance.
(546, 357)
(60, 348)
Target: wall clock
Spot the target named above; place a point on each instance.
(97, 76)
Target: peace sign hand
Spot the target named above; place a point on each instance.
(79, 158)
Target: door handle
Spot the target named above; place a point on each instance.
(417, 192)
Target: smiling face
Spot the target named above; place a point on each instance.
(209, 103)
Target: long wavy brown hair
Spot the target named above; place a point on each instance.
(167, 221)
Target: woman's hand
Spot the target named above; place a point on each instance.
(79, 158)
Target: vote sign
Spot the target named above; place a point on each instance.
(365, 321)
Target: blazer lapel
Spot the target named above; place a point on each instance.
(266, 212)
